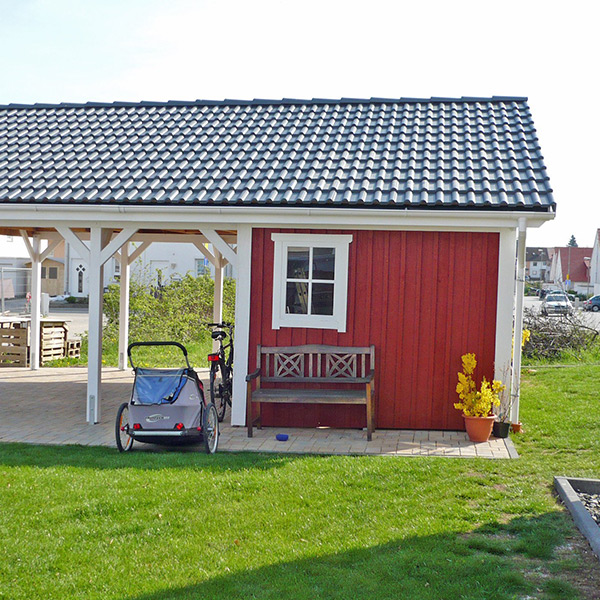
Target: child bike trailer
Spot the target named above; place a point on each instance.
(166, 406)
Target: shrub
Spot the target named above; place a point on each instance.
(174, 311)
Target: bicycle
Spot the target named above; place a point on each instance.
(221, 368)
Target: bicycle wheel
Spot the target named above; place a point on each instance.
(216, 391)
(124, 440)
(210, 429)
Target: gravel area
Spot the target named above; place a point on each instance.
(592, 504)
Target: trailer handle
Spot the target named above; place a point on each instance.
(180, 346)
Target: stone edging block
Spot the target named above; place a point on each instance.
(565, 488)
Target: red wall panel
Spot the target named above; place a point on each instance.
(422, 298)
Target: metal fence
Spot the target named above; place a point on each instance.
(15, 290)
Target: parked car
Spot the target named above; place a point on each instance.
(544, 293)
(556, 304)
(592, 304)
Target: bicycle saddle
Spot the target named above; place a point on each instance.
(218, 335)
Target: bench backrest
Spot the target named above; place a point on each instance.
(315, 363)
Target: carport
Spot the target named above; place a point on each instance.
(112, 235)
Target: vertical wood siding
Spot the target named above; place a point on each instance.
(422, 298)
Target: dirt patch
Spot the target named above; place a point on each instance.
(586, 577)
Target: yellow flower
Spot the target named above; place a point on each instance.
(526, 337)
(469, 362)
(476, 403)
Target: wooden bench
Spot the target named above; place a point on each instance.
(312, 364)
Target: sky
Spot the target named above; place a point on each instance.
(107, 50)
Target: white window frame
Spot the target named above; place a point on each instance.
(341, 243)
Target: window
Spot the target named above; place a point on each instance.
(52, 272)
(80, 271)
(116, 266)
(43, 272)
(202, 267)
(310, 281)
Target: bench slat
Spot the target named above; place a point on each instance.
(311, 396)
(315, 380)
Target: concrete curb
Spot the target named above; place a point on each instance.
(510, 448)
(565, 486)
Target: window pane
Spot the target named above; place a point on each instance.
(322, 299)
(53, 273)
(43, 272)
(296, 298)
(297, 263)
(323, 263)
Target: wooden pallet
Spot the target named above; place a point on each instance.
(13, 347)
(53, 341)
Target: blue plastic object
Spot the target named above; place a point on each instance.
(282, 437)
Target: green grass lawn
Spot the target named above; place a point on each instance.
(90, 523)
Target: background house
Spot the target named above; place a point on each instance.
(13, 273)
(53, 276)
(163, 261)
(570, 269)
(595, 265)
(537, 264)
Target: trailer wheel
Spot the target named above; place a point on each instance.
(210, 428)
(124, 440)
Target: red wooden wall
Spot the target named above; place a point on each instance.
(423, 299)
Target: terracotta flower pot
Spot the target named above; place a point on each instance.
(479, 429)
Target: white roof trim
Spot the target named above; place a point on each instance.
(188, 217)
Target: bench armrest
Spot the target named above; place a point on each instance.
(371, 375)
(253, 375)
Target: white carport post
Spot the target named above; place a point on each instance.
(100, 250)
(36, 305)
(518, 327)
(124, 306)
(505, 304)
(218, 293)
(33, 249)
(126, 262)
(98, 239)
(37, 258)
(242, 324)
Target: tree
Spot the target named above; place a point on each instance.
(572, 242)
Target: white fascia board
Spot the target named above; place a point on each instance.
(187, 217)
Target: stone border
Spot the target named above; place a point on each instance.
(565, 486)
(510, 448)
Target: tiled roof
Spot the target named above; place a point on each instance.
(409, 153)
(536, 254)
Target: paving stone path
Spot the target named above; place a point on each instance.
(48, 407)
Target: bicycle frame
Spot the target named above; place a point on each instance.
(226, 362)
(221, 364)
